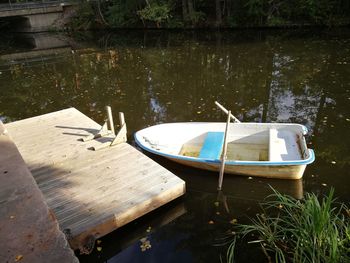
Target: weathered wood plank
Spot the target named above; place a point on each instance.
(111, 201)
(90, 192)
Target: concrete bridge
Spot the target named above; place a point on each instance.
(36, 16)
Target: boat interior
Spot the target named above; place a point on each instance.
(271, 144)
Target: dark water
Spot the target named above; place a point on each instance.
(155, 77)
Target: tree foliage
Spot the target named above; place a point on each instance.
(219, 13)
(155, 12)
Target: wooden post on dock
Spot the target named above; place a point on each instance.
(119, 137)
(110, 118)
(121, 119)
(223, 157)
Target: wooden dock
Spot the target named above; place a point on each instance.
(90, 192)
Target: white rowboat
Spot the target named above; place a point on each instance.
(274, 150)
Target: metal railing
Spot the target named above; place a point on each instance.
(18, 5)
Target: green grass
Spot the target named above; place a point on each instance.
(301, 231)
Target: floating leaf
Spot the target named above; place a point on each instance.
(216, 203)
(250, 178)
(218, 213)
(199, 112)
(324, 184)
(148, 229)
(233, 221)
(99, 249)
(211, 222)
(98, 241)
(333, 162)
(145, 244)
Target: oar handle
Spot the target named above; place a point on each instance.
(224, 152)
(226, 111)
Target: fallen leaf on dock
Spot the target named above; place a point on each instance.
(18, 258)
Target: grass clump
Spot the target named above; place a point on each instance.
(309, 230)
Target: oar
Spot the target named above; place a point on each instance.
(223, 157)
(226, 111)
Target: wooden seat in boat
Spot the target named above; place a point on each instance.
(212, 145)
(276, 146)
(282, 146)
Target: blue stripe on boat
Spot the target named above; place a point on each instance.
(212, 146)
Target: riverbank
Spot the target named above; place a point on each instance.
(190, 14)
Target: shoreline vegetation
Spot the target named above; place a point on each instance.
(191, 14)
(289, 230)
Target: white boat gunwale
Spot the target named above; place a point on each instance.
(310, 159)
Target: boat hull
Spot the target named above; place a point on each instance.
(267, 171)
(271, 150)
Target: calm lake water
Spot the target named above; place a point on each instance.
(156, 77)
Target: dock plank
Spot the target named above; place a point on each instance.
(91, 192)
